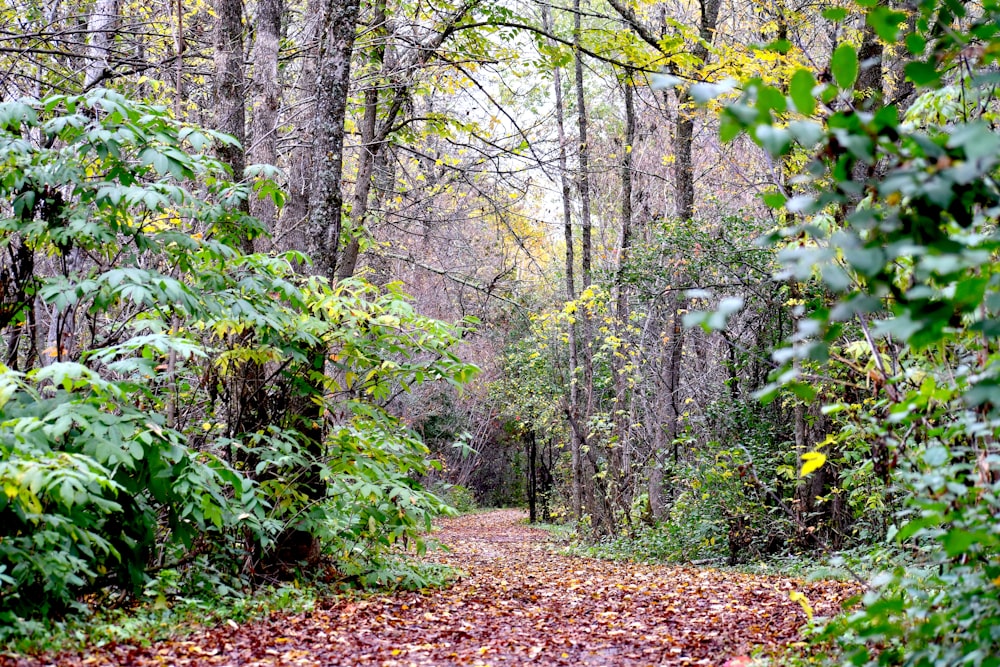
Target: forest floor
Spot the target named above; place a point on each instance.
(517, 603)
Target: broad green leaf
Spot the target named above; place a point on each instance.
(923, 73)
(885, 22)
(844, 66)
(774, 199)
(835, 14)
(915, 44)
(800, 89)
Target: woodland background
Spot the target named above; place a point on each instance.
(281, 280)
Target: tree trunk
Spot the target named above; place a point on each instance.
(266, 101)
(326, 199)
(370, 149)
(227, 88)
(567, 208)
(583, 151)
(684, 134)
(293, 222)
(374, 136)
(585, 405)
(621, 302)
(102, 25)
(530, 446)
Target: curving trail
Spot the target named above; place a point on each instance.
(518, 604)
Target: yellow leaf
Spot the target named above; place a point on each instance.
(803, 601)
(811, 462)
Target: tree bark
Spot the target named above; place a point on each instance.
(326, 199)
(228, 92)
(621, 301)
(583, 151)
(530, 446)
(369, 150)
(567, 210)
(684, 135)
(101, 27)
(266, 101)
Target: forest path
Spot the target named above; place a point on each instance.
(518, 603)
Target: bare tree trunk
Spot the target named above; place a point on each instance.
(530, 452)
(101, 27)
(326, 199)
(684, 136)
(370, 149)
(374, 136)
(227, 88)
(583, 154)
(584, 404)
(266, 101)
(293, 222)
(622, 417)
(564, 183)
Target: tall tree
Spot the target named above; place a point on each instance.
(576, 441)
(228, 98)
(101, 27)
(583, 148)
(266, 90)
(333, 85)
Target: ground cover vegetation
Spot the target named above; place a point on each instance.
(713, 282)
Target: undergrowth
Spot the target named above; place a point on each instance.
(659, 545)
(165, 610)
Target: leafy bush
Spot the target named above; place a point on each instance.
(897, 221)
(203, 404)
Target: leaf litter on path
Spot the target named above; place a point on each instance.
(517, 603)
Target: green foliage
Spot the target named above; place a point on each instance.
(88, 480)
(121, 450)
(910, 272)
(458, 497)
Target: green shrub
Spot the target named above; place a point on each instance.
(123, 453)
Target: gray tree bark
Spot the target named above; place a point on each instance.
(101, 27)
(567, 211)
(266, 100)
(326, 199)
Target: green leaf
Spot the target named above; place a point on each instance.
(936, 456)
(806, 132)
(774, 199)
(835, 14)
(885, 22)
(915, 44)
(923, 73)
(844, 66)
(776, 140)
(779, 46)
(976, 139)
(800, 89)
(957, 542)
